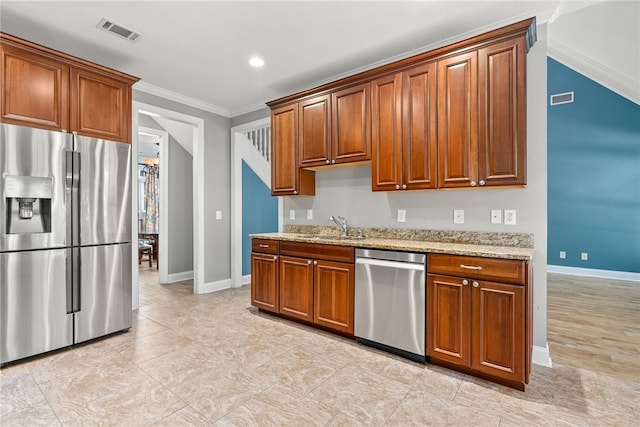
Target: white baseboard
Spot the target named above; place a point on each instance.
(540, 356)
(592, 272)
(178, 277)
(216, 286)
(246, 279)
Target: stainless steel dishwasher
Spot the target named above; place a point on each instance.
(389, 310)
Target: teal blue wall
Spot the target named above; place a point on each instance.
(259, 212)
(593, 175)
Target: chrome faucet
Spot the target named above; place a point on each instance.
(341, 222)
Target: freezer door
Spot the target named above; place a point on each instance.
(105, 291)
(29, 159)
(105, 191)
(33, 304)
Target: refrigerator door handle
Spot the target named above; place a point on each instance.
(76, 280)
(68, 261)
(72, 197)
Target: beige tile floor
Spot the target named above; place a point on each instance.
(197, 360)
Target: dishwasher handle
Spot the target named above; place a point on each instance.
(390, 264)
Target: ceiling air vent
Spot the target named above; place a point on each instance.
(561, 98)
(119, 30)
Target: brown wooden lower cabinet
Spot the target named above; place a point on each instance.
(264, 281)
(296, 287)
(333, 295)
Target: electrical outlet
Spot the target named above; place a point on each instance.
(563, 255)
(402, 215)
(218, 215)
(584, 256)
(458, 216)
(292, 214)
(510, 216)
(309, 213)
(496, 216)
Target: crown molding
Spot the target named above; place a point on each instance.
(596, 71)
(182, 99)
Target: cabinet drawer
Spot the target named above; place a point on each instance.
(318, 251)
(265, 246)
(502, 270)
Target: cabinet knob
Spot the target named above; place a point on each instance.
(315, 262)
(333, 162)
(295, 191)
(397, 187)
(482, 182)
(465, 282)
(275, 257)
(327, 161)
(473, 183)
(308, 261)
(404, 186)
(475, 284)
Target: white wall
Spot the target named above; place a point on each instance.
(180, 209)
(347, 191)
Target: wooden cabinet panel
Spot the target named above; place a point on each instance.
(318, 251)
(334, 289)
(502, 113)
(100, 107)
(504, 270)
(265, 246)
(314, 136)
(457, 121)
(498, 330)
(35, 90)
(296, 288)
(419, 124)
(351, 124)
(386, 133)
(264, 281)
(448, 319)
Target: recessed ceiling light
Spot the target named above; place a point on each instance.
(256, 62)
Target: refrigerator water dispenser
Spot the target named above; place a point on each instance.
(28, 204)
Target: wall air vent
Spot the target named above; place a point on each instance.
(119, 30)
(561, 98)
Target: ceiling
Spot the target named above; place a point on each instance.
(201, 50)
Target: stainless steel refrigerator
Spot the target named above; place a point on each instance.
(65, 240)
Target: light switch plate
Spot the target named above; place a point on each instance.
(309, 213)
(563, 255)
(458, 216)
(496, 216)
(292, 214)
(584, 256)
(510, 216)
(218, 215)
(402, 215)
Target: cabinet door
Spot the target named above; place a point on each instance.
(100, 107)
(35, 90)
(314, 137)
(296, 287)
(502, 113)
(498, 330)
(457, 121)
(264, 281)
(351, 124)
(419, 139)
(448, 319)
(386, 133)
(333, 289)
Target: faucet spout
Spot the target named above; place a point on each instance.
(341, 222)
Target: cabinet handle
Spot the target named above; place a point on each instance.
(275, 257)
(475, 284)
(470, 267)
(327, 162)
(482, 182)
(295, 191)
(315, 262)
(465, 282)
(397, 187)
(308, 261)
(264, 246)
(473, 183)
(333, 162)
(404, 186)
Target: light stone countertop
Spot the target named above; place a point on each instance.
(482, 250)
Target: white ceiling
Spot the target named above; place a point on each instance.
(201, 49)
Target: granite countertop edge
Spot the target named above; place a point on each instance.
(489, 251)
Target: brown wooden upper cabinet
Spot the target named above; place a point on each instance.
(453, 117)
(482, 116)
(287, 179)
(403, 130)
(48, 89)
